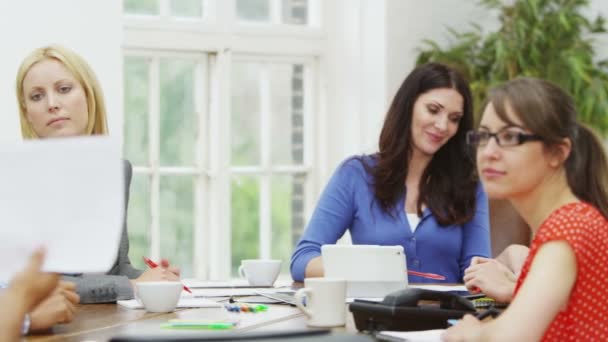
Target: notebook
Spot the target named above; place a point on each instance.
(370, 271)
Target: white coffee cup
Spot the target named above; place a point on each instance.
(325, 301)
(260, 272)
(159, 296)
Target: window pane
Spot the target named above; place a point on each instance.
(145, 7)
(177, 221)
(245, 118)
(245, 220)
(178, 124)
(295, 12)
(136, 110)
(187, 8)
(287, 216)
(253, 10)
(138, 220)
(287, 108)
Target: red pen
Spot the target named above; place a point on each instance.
(426, 275)
(152, 264)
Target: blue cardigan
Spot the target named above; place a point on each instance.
(348, 202)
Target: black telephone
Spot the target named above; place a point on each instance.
(403, 311)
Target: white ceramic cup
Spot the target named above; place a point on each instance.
(325, 301)
(159, 296)
(260, 272)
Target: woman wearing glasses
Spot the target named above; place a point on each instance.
(532, 151)
(420, 190)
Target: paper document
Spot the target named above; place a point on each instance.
(371, 299)
(232, 283)
(414, 336)
(65, 194)
(212, 284)
(441, 287)
(185, 301)
(228, 292)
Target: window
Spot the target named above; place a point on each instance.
(174, 9)
(268, 172)
(219, 129)
(293, 12)
(163, 140)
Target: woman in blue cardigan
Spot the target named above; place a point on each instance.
(420, 190)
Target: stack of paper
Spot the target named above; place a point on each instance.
(185, 301)
(444, 288)
(414, 336)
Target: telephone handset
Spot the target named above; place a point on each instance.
(410, 309)
(414, 296)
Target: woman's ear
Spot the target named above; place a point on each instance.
(561, 152)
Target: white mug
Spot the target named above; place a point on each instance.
(159, 296)
(325, 301)
(260, 272)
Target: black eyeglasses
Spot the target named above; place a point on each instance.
(507, 136)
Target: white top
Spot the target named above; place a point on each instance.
(413, 219)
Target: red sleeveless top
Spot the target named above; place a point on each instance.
(582, 226)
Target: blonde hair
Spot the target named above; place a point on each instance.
(83, 73)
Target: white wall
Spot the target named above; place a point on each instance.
(355, 76)
(92, 28)
(601, 42)
(411, 22)
(372, 46)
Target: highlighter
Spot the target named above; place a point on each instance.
(198, 325)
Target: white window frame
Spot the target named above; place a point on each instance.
(200, 170)
(224, 39)
(267, 169)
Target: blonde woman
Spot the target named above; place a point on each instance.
(59, 96)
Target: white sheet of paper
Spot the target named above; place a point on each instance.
(371, 299)
(210, 284)
(185, 301)
(441, 287)
(414, 336)
(66, 195)
(227, 292)
(232, 283)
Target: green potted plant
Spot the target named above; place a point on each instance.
(550, 39)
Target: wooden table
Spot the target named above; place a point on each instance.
(100, 322)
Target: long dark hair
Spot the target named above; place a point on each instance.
(448, 184)
(549, 112)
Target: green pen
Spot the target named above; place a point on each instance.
(198, 325)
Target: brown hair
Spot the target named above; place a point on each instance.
(549, 112)
(449, 183)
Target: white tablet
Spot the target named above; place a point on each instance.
(370, 271)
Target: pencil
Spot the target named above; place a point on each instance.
(152, 264)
